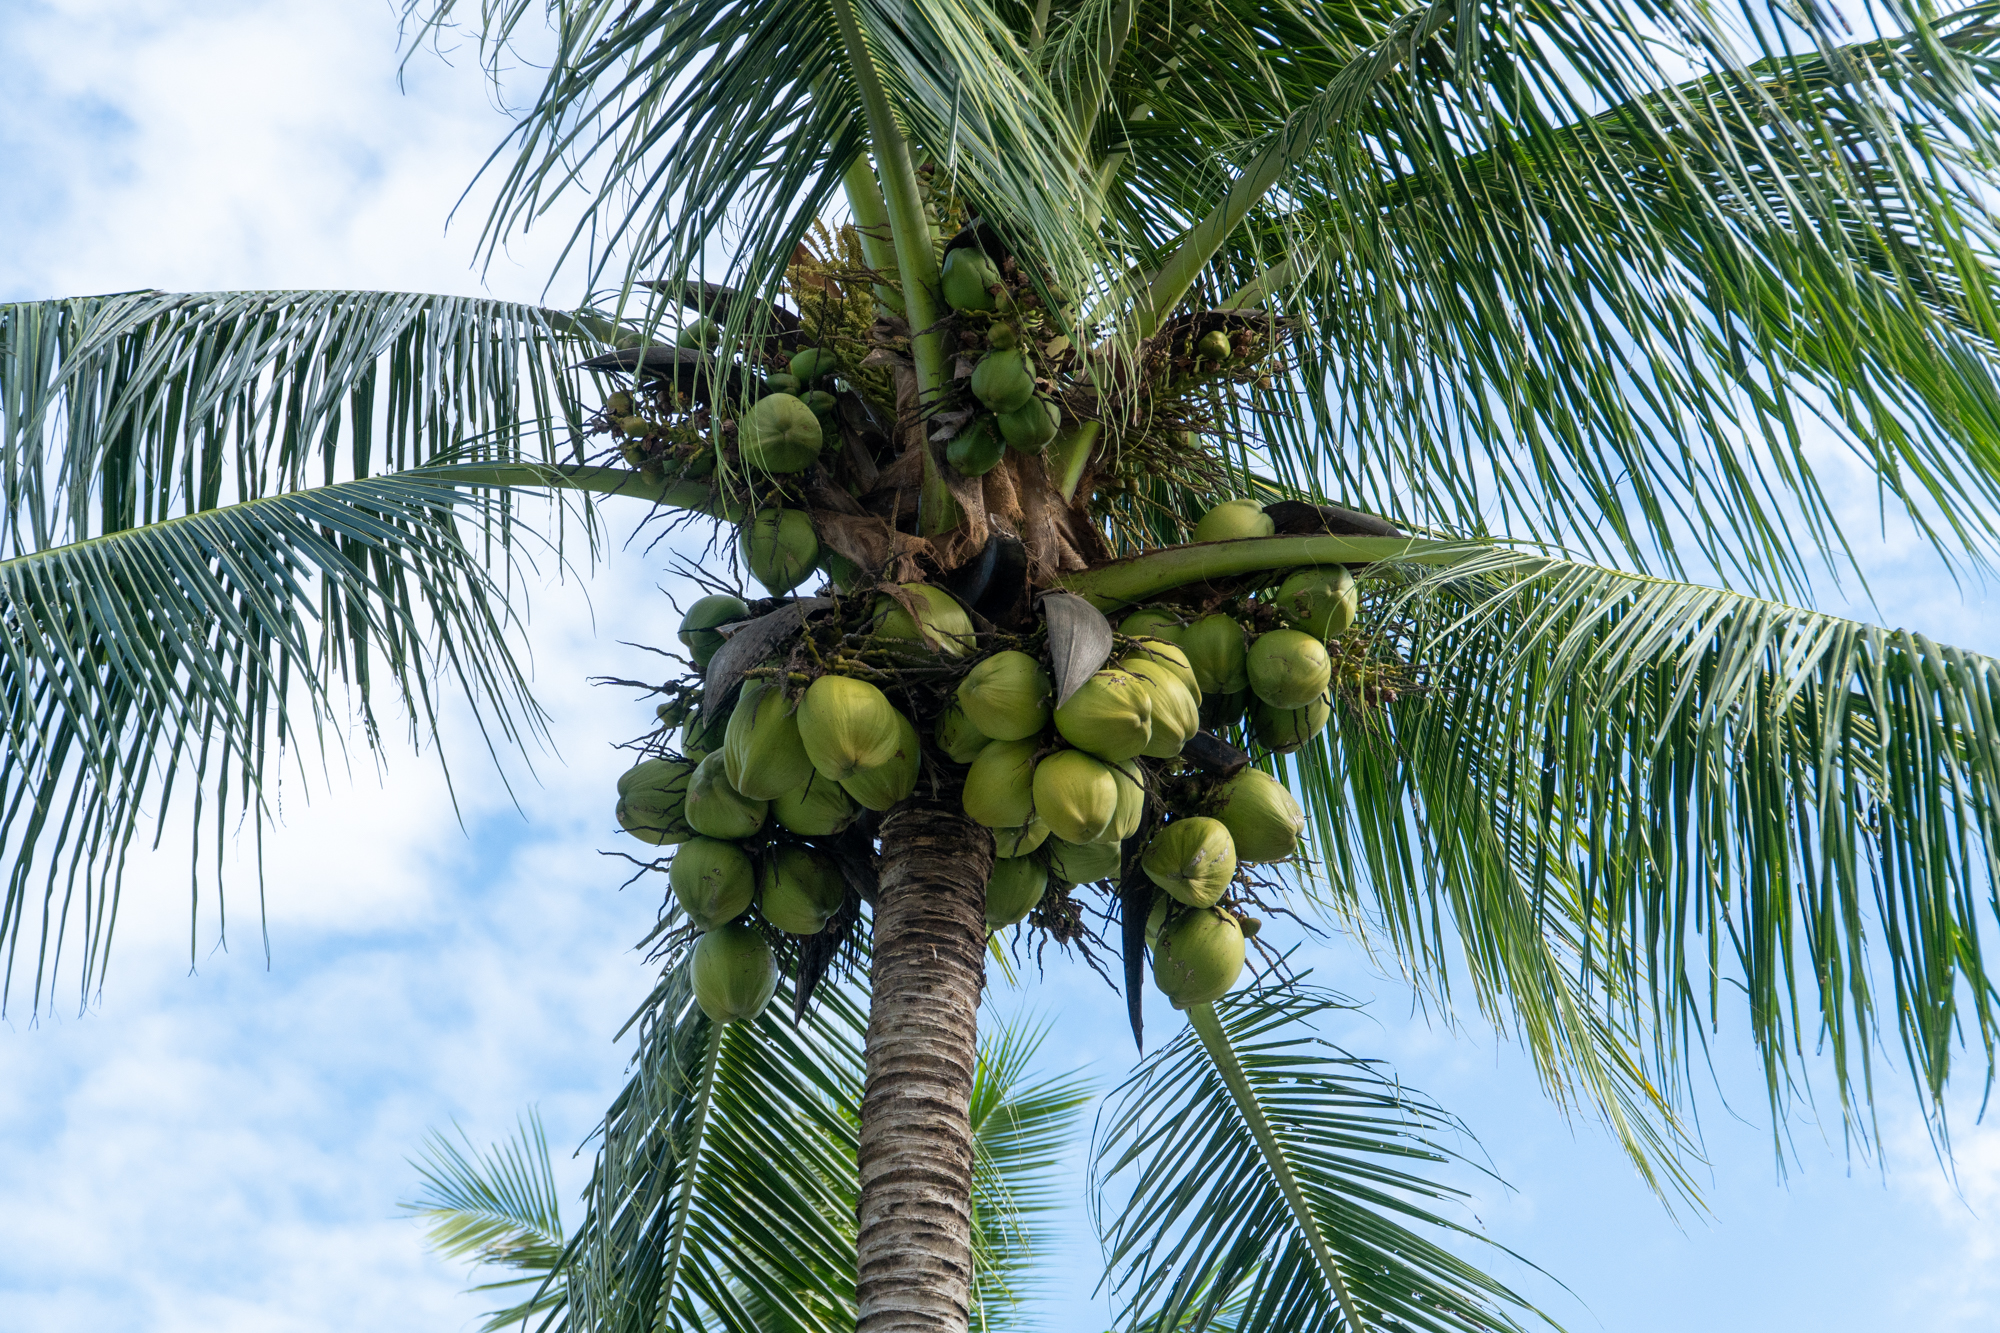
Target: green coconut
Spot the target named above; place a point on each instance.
(702, 332)
(1007, 696)
(1157, 918)
(652, 797)
(712, 880)
(1320, 600)
(780, 548)
(1192, 859)
(847, 725)
(1075, 795)
(846, 575)
(1004, 381)
(1082, 863)
(1029, 429)
(1261, 816)
(1147, 648)
(1213, 346)
(1131, 810)
(999, 787)
(1223, 710)
(782, 383)
(618, 404)
(1216, 651)
(697, 632)
(735, 974)
(1021, 840)
(1198, 957)
(958, 738)
(1015, 887)
(967, 276)
(1111, 716)
(780, 433)
(1152, 623)
(703, 735)
(1288, 668)
(814, 363)
(977, 449)
(799, 890)
(1176, 714)
(882, 786)
(817, 808)
(944, 628)
(1232, 520)
(718, 810)
(761, 750)
(1283, 730)
(821, 402)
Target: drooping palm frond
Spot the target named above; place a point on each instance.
(1205, 1223)
(496, 1207)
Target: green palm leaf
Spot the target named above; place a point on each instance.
(496, 1207)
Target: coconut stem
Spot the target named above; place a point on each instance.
(704, 1096)
(1209, 1028)
(871, 222)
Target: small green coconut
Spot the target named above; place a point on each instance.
(780, 434)
(822, 404)
(1014, 889)
(712, 880)
(782, 383)
(1147, 648)
(817, 808)
(735, 974)
(1075, 795)
(1288, 668)
(1233, 520)
(1152, 623)
(1192, 859)
(1131, 811)
(761, 750)
(1261, 817)
(1176, 714)
(1320, 600)
(1021, 840)
(716, 809)
(1028, 430)
(941, 623)
(1198, 957)
(813, 364)
(968, 276)
(1111, 716)
(1216, 651)
(999, 787)
(1213, 346)
(799, 890)
(1283, 730)
(957, 737)
(882, 786)
(1082, 863)
(697, 632)
(780, 548)
(702, 333)
(977, 448)
(847, 725)
(1219, 711)
(652, 799)
(1004, 381)
(1007, 696)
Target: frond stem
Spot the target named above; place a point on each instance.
(679, 1235)
(1125, 582)
(871, 223)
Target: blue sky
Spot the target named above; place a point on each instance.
(222, 1146)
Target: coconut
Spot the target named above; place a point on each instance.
(1111, 716)
(703, 735)
(1131, 811)
(718, 810)
(1215, 650)
(782, 382)
(1075, 795)
(699, 332)
(735, 974)
(618, 404)
(846, 575)
(1083, 863)
(1157, 918)
(1320, 600)
(780, 548)
(652, 797)
(712, 880)
(1021, 840)
(821, 402)
(1029, 429)
(1234, 519)
(1283, 730)
(814, 363)
(882, 786)
(999, 787)
(1007, 696)
(780, 434)
(799, 890)
(1223, 710)
(1192, 859)
(697, 633)
(944, 625)
(817, 808)
(847, 725)
(1176, 715)
(761, 750)
(1288, 668)
(1261, 816)
(1198, 957)
(977, 448)
(1146, 648)
(958, 738)
(1004, 381)
(967, 277)
(1152, 623)
(1016, 886)
(1213, 346)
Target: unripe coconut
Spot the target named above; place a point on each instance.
(780, 434)
(846, 575)
(701, 332)
(1152, 623)
(652, 797)
(780, 548)
(1169, 655)
(1261, 816)
(1111, 716)
(761, 750)
(976, 449)
(1131, 810)
(1320, 600)
(847, 725)
(713, 881)
(735, 974)
(782, 383)
(817, 808)
(1014, 890)
(1075, 795)
(1213, 346)
(1223, 710)
(999, 788)
(1084, 863)
(945, 627)
(1283, 730)
(697, 633)
(815, 363)
(1007, 696)
(703, 734)
(958, 738)
(1176, 715)
(1021, 840)
(718, 810)
(1192, 859)
(1198, 957)
(799, 890)
(1000, 337)
(1216, 651)
(1288, 668)
(1029, 429)
(1232, 520)
(967, 275)
(1004, 381)
(821, 402)
(618, 404)
(882, 786)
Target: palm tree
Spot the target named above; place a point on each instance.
(1521, 287)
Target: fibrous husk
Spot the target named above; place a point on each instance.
(1075, 795)
(712, 880)
(651, 801)
(1016, 886)
(1288, 668)
(1198, 956)
(817, 808)
(716, 809)
(882, 786)
(1082, 863)
(697, 632)
(957, 737)
(940, 623)
(1192, 859)
(735, 974)
(780, 433)
(1007, 696)
(847, 725)
(1021, 840)
(1004, 381)
(1232, 520)
(1261, 816)
(799, 890)
(1111, 716)
(1216, 651)
(1320, 600)
(779, 548)
(761, 749)
(999, 787)
(1283, 730)
(1176, 714)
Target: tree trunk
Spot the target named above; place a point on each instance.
(915, 1252)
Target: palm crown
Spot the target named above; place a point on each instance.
(1586, 276)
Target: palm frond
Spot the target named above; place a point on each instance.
(496, 1207)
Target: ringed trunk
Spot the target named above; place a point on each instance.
(915, 1245)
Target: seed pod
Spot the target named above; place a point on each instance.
(780, 434)
(958, 738)
(976, 449)
(1192, 859)
(1111, 716)
(1261, 817)
(1216, 651)
(1075, 795)
(1016, 886)
(999, 788)
(652, 797)
(1176, 715)
(1283, 730)
(817, 808)
(1028, 430)
(735, 974)
(697, 632)
(967, 276)
(814, 363)
(882, 786)
(716, 809)
(1198, 957)
(761, 750)
(1320, 600)
(847, 725)
(1288, 669)
(1082, 863)
(1233, 520)
(799, 890)
(1004, 381)
(780, 548)
(712, 880)
(941, 623)
(1007, 696)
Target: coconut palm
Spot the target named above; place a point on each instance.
(1520, 312)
